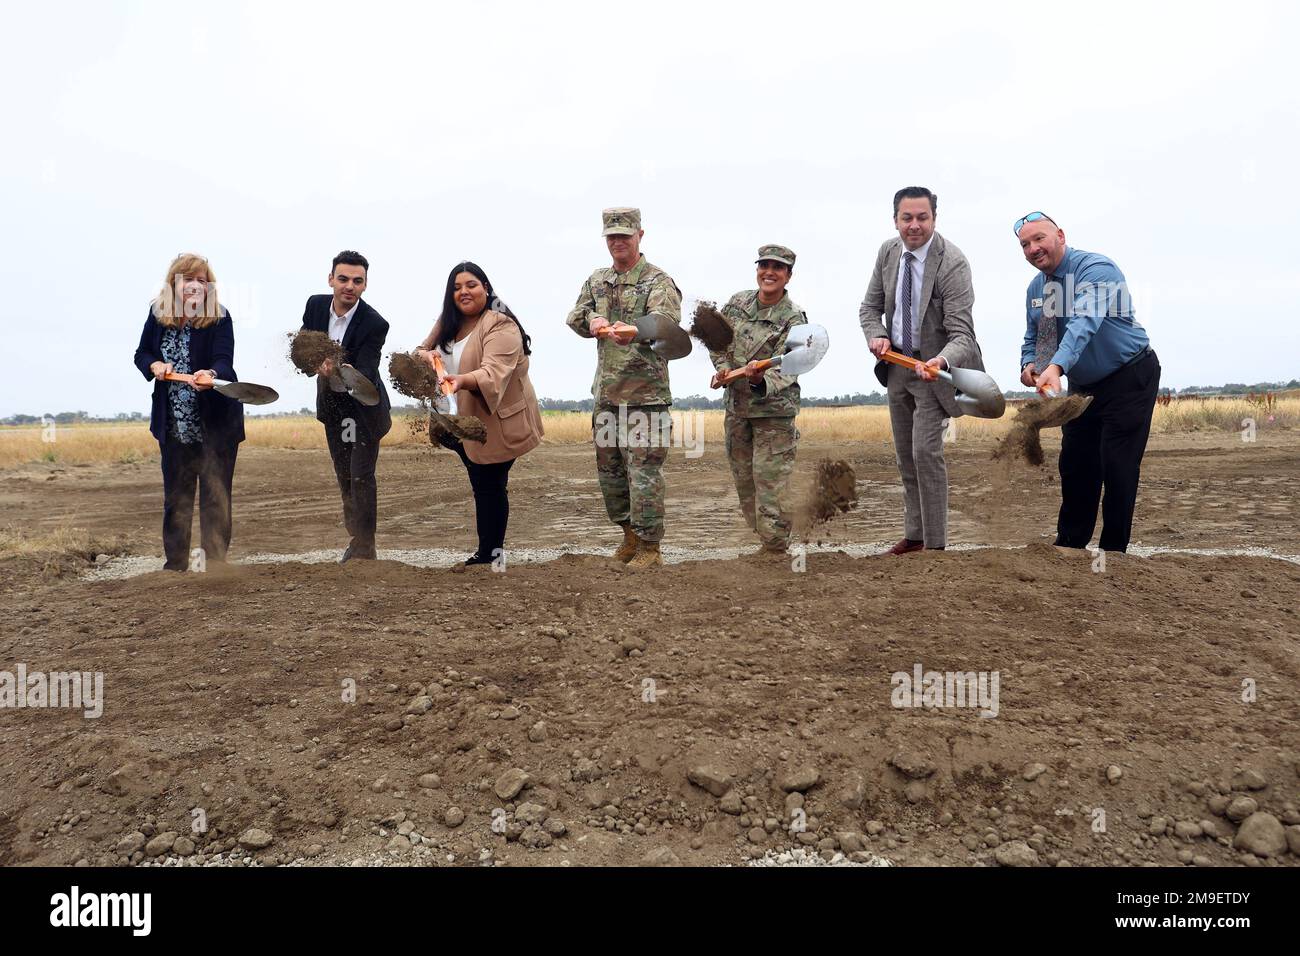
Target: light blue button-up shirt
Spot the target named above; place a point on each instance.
(1097, 330)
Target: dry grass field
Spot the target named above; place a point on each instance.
(125, 444)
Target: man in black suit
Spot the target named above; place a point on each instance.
(352, 430)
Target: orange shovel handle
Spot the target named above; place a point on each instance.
(899, 359)
(178, 377)
(736, 373)
(442, 372)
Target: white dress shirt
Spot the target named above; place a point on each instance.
(918, 274)
(451, 364)
(339, 323)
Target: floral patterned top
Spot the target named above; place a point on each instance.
(182, 399)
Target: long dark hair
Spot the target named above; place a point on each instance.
(452, 318)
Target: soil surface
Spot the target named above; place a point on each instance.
(708, 712)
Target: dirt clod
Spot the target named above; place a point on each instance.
(710, 327)
(412, 376)
(1023, 440)
(308, 351)
(833, 492)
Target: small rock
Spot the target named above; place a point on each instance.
(660, 856)
(510, 783)
(1241, 808)
(530, 814)
(730, 803)
(131, 843)
(1249, 780)
(1015, 853)
(1187, 830)
(912, 765)
(1293, 839)
(454, 817)
(1032, 771)
(709, 778)
(183, 846)
(255, 839)
(430, 781)
(420, 705)
(799, 779)
(1261, 834)
(1114, 773)
(537, 732)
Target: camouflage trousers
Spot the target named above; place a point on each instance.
(629, 466)
(761, 453)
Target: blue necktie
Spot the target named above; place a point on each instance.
(908, 259)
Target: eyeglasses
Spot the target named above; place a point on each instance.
(1031, 217)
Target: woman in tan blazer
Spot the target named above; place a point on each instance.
(485, 350)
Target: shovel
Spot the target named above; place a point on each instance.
(620, 332)
(805, 346)
(245, 392)
(464, 427)
(1054, 413)
(977, 394)
(347, 379)
(658, 331)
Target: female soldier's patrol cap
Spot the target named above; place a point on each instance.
(776, 253)
(621, 221)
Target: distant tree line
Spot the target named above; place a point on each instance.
(690, 402)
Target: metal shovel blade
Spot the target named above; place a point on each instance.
(666, 337)
(805, 347)
(977, 393)
(246, 392)
(358, 386)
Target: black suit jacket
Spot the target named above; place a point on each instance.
(212, 347)
(363, 342)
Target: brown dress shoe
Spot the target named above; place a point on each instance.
(906, 546)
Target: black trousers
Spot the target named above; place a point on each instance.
(210, 466)
(354, 449)
(491, 500)
(1102, 450)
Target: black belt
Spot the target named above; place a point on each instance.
(1146, 350)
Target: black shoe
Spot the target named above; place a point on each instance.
(356, 552)
(477, 559)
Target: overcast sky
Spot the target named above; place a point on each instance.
(268, 136)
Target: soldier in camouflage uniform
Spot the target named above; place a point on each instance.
(629, 379)
(761, 437)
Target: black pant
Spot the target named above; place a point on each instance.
(354, 449)
(1103, 448)
(212, 466)
(491, 501)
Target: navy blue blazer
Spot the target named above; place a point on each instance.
(363, 342)
(212, 347)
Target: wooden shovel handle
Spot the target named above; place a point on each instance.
(442, 372)
(899, 359)
(178, 377)
(620, 332)
(735, 373)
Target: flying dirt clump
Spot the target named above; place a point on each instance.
(1023, 440)
(833, 492)
(414, 377)
(711, 327)
(308, 351)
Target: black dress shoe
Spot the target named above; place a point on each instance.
(356, 552)
(474, 559)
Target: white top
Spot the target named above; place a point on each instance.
(452, 364)
(918, 273)
(339, 323)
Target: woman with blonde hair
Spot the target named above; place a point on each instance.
(485, 350)
(198, 429)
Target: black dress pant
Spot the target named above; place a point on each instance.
(491, 501)
(1102, 449)
(354, 449)
(210, 465)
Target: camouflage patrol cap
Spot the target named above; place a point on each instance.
(782, 254)
(621, 221)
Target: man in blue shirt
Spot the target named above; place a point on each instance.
(1080, 324)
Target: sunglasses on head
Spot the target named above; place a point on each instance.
(1031, 217)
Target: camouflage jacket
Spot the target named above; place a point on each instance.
(627, 374)
(758, 333)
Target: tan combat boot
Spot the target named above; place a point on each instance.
(628, 547)
(647, 556)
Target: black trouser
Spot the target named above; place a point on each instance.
(1103, 448)
(491, 501)
(354, 449)
(212, 466)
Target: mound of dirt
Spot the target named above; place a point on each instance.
(1023, 440)
(308, 351)
(710, 327)
(412, 376)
